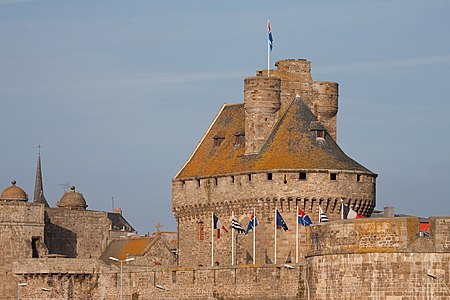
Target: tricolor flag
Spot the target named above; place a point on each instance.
(280, 221)
(270, 35)
(218, 224)
(253, 222)
(348, 213)
(237, 226)
(322, 216)
(303, 218)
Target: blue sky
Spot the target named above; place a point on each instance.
(119, 92)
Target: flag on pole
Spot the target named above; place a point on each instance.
(280, 221)
(237, 226)
(322, 216)
(253, 222)
(348, 213)
(270, 35)
(218, 224)
(303, 218)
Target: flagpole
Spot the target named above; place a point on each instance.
(268, 51)
(320, 214)
(275, 236)
(212, 239)
(232, 239)
(296, 238)
(254, 237)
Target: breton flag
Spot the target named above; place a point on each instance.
(348, 213)
(218, 224)
(253, 222)
(237, 226)
(303, 218)
(322, 216)
(280, 221)
(270, 35)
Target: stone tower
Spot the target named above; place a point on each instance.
(277, 150)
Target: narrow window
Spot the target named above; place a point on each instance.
(302, 175)
(249, 177)
(232, 179)
(198, 182)
(35, 252)
(215, 181)
(269, 176)
(201, 231)
(183, 183)
(333, 176)
(285, 179)
(358, 177)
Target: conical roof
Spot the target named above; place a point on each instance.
(38, 186)
(292, 145)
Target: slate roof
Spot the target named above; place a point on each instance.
(292, 145)
(119, 222)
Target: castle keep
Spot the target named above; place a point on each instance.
(275, 151)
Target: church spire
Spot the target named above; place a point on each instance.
(38, 187)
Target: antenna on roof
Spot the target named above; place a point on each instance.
(65, 186)
(112, 202)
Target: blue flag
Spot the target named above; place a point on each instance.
(253, 223)
(303, 218)
(280, 221)
(270, 35)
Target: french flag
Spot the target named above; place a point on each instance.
(348, 213)
(270, 35)
(303, 218)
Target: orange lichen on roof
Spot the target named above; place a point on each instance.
(291, 145)
(123, 249)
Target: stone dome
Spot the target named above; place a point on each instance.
(72, 200)
(13, 193)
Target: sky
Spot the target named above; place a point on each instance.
(118, 93)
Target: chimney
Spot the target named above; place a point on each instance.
(389, 212)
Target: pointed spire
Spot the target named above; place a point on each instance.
(38, 186)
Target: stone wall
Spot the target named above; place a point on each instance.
(378, 259)
(91, 279)
(320, 96)
(76, 233)
(195, 200)
(21, 233)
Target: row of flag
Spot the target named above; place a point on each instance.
(302, 219)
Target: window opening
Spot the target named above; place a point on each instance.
(333, 176)
(302, 175)
(269, 176)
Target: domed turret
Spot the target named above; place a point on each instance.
(72, 200)
(14, 193)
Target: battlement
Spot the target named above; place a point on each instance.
(378, 235)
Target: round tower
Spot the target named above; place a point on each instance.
(261, 105)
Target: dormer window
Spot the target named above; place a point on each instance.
(320, 134)
(217, 140)
(239, 138)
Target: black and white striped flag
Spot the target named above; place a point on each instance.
(322, 216)
(238, 227)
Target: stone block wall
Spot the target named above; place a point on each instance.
(194, 201)
(21, 231)
(320, 96)
(97, 281)
(76, 233)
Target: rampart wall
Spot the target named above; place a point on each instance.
(21, 236)
(194, 201)
(76, 233)
(379, 259)
(92, 279)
